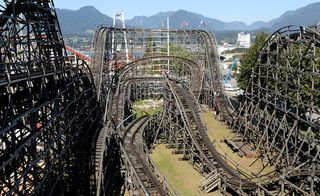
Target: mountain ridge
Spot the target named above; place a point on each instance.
(86, 19)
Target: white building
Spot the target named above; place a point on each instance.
(244, 40)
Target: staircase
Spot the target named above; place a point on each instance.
(210, 182)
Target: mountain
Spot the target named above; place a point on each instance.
(237, 25)
(184, 19)
(257, 25)
(179, 19)
(81, 21)
(87, 18)
(305, 16)
(154, 21)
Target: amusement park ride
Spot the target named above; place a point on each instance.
(68, 127)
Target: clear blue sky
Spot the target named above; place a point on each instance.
(247, 11)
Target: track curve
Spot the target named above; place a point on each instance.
(133, 151)
(188, 107)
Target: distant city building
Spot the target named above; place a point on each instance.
(244, 40)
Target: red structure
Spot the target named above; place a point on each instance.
(78, 54)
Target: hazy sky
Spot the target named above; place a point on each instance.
(247, 11)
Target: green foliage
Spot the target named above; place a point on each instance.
(177, 50)
(149, 47)
(227, 36)
(236, 50)
(305, 65)
(248, 59)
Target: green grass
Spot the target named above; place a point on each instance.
(141, 107)
(217, 132)
(180, 174)
(140, 112)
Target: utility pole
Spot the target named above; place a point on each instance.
(168, 43)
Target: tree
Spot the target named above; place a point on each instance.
(149, 47)
(175, 50)
(248, 59)
(179, 51)
(236, 50)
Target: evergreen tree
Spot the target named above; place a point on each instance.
(248, 59)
